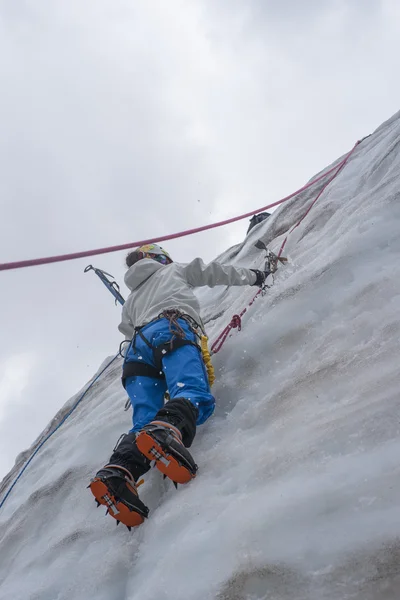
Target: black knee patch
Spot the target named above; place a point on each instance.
(127, 455)
(183, 415)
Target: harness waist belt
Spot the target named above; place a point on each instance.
(133, 369)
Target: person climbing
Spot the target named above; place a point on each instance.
(161, 320)
(256, 219)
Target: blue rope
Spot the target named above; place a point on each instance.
(42, 443)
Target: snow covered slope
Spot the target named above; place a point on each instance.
(298, 493)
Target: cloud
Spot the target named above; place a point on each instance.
(14, 376)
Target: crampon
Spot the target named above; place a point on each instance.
(114, 487)
(162, 443)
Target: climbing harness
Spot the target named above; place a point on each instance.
(112, 286)
(178, 340)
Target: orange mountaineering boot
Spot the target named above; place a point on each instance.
(161, 442)
(114, 487)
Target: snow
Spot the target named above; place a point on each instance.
(298, 491)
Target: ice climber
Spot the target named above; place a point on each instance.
(164, 360)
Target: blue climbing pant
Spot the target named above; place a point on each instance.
(184, 370)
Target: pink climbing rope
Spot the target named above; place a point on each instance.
(236, 321)
(62, 257)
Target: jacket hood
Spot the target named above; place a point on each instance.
(140, 271)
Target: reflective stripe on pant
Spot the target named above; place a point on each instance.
(185, 375)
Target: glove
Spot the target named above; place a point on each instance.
(261, 277)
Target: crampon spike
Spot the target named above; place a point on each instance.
(107, 511)
(118, 522)
(128, 527)
(175, 484)
(164, 476)
(98, 503)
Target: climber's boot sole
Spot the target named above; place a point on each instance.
(109, 491)
(159, 444)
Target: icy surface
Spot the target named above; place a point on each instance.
(298, 493)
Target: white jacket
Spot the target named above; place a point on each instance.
(155, 288)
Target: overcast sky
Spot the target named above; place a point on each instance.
(126, 119)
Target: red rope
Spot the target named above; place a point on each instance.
(339, 168)
(62, 257)
(236, 321)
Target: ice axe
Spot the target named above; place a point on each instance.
(271, 262)
(112, 286)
